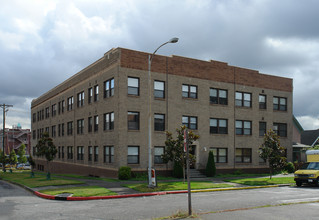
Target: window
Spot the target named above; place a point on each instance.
(53, 130)
(90, 124)
(47, 113)
(80, 127)
(280, 104)
(261, 160)
(70, 103)
(59, 152)
(109, 88)
(109, 121)
(262, 101)
(90, 153)
(90, 95)
(280, 129)
(262, 128)
(80, 154)
(70, 128)
(62, 129)
(133, 86)
(189, 91)
(243, 127)
(159, 89)
(243, 99)
(133, 120)
(96, 123)
(218, 96)
(59, 130)
(96, 93)
(158, 152)
(96, 153)
(220, 155)
(34, 134)
(159, 122)
(80, 102)
(243, 155)
(133, 153)
(53, 110)
(218, 126)
(62, 106)
(108, 154)
(47, 129)
(62, 152)
(34, 117)
(70, 152)
(190, 122)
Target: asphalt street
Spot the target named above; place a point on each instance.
(17, 203)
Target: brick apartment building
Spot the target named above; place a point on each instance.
(14, 137)
(98, 118)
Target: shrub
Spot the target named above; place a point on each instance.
(290, 168)
(210, 167)
(125, 173)
(177, 170)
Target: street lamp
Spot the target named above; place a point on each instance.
(150, 58)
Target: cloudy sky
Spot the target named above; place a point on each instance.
(42, 43)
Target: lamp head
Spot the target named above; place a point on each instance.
(173, 40)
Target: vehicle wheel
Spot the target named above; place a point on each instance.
(298, 183)
(317, 182)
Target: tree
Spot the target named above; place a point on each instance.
(174, 148)
(21, 153)
(12, 159)
(273, 152)
(46, 148)
(211, 167)
(32, 163)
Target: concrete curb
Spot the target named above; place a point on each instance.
(148, 194)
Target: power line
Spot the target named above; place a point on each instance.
(4, 106)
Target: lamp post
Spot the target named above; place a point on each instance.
(150, 58)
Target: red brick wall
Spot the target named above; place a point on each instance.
(210, 70)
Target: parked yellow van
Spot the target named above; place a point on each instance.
(309, 172)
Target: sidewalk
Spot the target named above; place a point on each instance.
(125, 192)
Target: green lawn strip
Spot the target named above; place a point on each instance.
(81, 191)
(24, 178)
(263, 181)
(87, 177)
(171, 186)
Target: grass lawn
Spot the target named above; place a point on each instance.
(171, 186)
(38, 180)
(87, 177)
(263, 181)
(81, 191)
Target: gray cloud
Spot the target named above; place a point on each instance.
(44, 43)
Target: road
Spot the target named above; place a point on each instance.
(17, 203)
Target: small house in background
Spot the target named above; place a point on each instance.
(298, 148)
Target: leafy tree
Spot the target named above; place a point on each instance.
(3, 160)
(273, 152)
(21, 153)
(211, 167)
(46, 148)
(174, 148)
(32, 163)
(12, 159)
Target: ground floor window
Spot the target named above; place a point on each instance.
(158, 152)
(133, 153)
(70, 152)
(108, 154)
(80, 154)
(243, 155)
(220, 155)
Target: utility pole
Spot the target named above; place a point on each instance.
(4, 106)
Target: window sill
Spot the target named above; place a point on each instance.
(243, 107)
(221, 105)
(187, 98)
(133, 96)
(159, 99)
